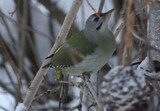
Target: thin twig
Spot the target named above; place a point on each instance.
(49, 91)
(22, 43)
(122, 22)
(92, 91)
(8, 55)
(82, 89)
(75, 107)
(91, 6)
(83, 14)
(101, 5)
(19, 26)
(153, 76)
(128, 39)
(80, 101)
(10, 77)
(59, 40)
(13, 12)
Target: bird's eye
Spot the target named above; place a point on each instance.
(96, 19)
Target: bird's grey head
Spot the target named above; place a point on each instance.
(95, 23)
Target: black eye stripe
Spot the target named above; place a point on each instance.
(99, 26)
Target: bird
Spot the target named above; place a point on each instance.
(86, 51)
(125, 89)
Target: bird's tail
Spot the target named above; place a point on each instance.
(49, 64)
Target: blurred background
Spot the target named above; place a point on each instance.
(28, 29)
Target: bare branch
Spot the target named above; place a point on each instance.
(59, 40)
(91, 89)
(101, 5)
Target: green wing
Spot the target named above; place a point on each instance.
(73, 50)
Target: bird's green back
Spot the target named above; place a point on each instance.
(73, 50)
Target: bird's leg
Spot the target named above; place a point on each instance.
(64, 86)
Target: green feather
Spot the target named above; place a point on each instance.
(73, 50)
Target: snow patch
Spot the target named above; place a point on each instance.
(21, 107)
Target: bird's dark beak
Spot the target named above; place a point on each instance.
(107, 14)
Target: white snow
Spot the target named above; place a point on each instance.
(21, 107)
(6, 100)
